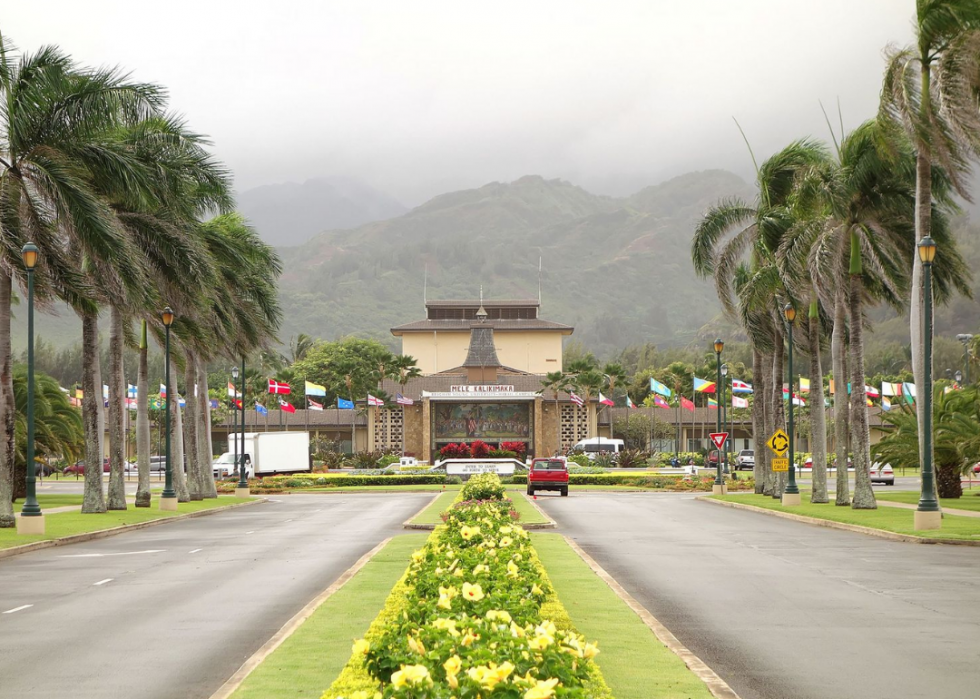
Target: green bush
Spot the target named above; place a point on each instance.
(632, 458)
(580, 459)
(388, 460)
(483, 486)
(502, 454)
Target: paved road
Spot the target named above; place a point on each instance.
(182, 605)
(782, 609)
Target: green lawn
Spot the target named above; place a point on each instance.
(634, 663)
(969, 501)
(49, 500)
(890, 519)
(430, 515)
(63, 524)
(312, 657)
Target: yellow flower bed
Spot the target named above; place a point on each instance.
(474, 617)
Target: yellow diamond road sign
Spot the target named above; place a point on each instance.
(780, 464)
(779, 443)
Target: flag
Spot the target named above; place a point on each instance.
(804, 385)
(660, 402)
(871, 391)
(278, 388)
(345, 404)
(315, 389)
(238, 404)
(105, 391)
(131, 403)
(577, 400)
(232, 392)
(163, 391)
(741, 387)
(909, 390)
(402, 400)
(740, 402)
(888, 389)
(603, 400)
(283, 405)
(831, 387)
(629, 403)
(79, 394)
(658, 387)
(375, 401)
(315, 406)
(702, 386)
(885, 404)
(686, 404)
(181, 402)
(63, 390)
(261, 409)
(712, 403)
(131, 391)
(213, 403)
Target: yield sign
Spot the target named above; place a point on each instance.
(719, 438)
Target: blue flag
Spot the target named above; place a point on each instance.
(345, 404)
(658, 387)
(261, 409)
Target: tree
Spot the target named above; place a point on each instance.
(57, 425)
(554, 381)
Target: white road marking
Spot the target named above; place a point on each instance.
(195, 550)
(251, 532)
(102, 582)
(17, 609)
(102, 555)
(289, 520)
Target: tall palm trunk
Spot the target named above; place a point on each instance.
(190, 430)
(204, 455)
(778, 409)
(838, 352)
(7, 407)
(117, 431)
(143, 423)
(177, 439)
(93, 500)
(758, 422)
(864, 497)
(818, 413)
(769, 415)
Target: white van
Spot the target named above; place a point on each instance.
(595, 445)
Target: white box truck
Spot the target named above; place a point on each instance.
(266, 454)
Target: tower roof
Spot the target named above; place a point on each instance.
(482, 352)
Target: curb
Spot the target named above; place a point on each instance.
(717, 686)
(102, 533)
(407, 524)
(290, 627)
(550, 524)
(830, 524)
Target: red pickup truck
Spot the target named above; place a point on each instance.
(548, 474)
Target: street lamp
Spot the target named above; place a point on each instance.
(959, 377)
(791, 496)
(234, 413)
(724, 412)
(31, 521)
(966, 338)
(927, 514)
(168, 499)
(241, 490)
(719, 486)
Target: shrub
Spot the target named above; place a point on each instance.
(519, 448)
(366, 459)
(580, 459)
(604, 460)
(633, 458)
(455, 451)
(483, 486)
(479, 450)
(502, 454)
(388, 460)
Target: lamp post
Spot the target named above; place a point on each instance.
(965, 338)
(791, 496)
(927, 514)
(31, 521)
(234, 414)
(241, 490)
(959, 377)
(724, 413)
(168, 499)
(719, 485)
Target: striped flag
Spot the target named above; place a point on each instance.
(629, 403)
(885, 404)
(804, 385)
(712, 403)
(702, 386)
(315, 389)
(739, 386)
(374, 401)
(402, 400)
(232, 391)
(660, 402)
(603, 400)
(577, 400)
(871, 391)
(315, 406)
(163, 391)
(889, 389)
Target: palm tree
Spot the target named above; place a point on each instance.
(299, 346)
(57, 425)
(930, 91)
(555, 381)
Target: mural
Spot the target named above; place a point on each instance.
(496, 421)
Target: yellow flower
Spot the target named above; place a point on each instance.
(446, 625)
(416, 645)
(505, 530)
(453, 665)
(535, 590)
(468, 532)
(360, 647)
(418, 555)
(413, 675)
(499, 615)
(480, 568)
(591, 650)
(506, 541)
(489, 676)
(516, 631)
(512, 570)
(542, 689)
(469, 638)
(540, 642)
(458, 573)
(473, 593)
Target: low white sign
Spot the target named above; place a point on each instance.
(472, 468)
(484, 388)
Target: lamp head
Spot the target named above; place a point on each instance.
(719, 346)
(927, 250)
(29, 254)
(959, 376)
(949, 373)
(724, 370)
(167, 316)
(789, 312)
(234, 372)
(964, 337)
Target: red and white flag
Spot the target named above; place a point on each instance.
(286, 407)
(740, 402)
(232, 391)
(402, 400)
(374, 401)
(278, 387)
(577, 400)
(313, 405)
(604, 401)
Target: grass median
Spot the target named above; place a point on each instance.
(61, 524)
(634, 663)
(890, 519)
(969, 501)
(52, 500)
(431, 514)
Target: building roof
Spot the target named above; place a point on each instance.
(498, 324)
(482, 352)
(462, 303)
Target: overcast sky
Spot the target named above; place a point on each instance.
(419, 97)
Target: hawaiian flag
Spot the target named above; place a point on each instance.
(278, 388)
(687, 404)
(315, 406)
(660, 402)
(603, 400)
(377, 402)
(702, 386)
(739, 386)
(577, 400)
(286, 407)
(402, 400)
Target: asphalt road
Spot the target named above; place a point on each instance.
(782, 609)
(172, 611)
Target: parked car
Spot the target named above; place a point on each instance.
(548, 474)
(882, 473)
(745, 461)
(78, 468)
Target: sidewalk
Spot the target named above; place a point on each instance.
(948, 510)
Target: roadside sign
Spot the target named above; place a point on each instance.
(779, 443)
(719, 438)
(780, 464)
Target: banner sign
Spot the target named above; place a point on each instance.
(471, 468)
(486, 388)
